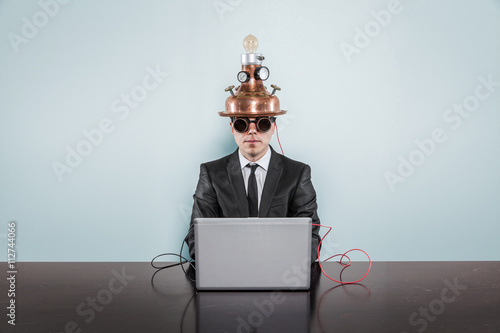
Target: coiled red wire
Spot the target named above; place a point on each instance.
(343, 255)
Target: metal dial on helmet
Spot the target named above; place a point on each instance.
(261, 73)
(243, 76)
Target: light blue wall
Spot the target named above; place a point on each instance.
(352, 116)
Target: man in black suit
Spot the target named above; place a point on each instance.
(284, 187)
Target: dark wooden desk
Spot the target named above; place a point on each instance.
(119, 297)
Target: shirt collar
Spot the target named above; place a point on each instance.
(263, 162)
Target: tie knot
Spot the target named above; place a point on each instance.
(252, 167)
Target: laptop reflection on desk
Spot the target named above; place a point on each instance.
(245, 312)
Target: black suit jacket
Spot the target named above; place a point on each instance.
(287, 192)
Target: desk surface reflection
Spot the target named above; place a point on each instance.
(119, 297)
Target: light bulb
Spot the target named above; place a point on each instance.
(250, 43)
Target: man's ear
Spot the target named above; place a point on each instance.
(232, 129)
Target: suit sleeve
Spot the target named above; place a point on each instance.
(304, 205)
(204, 205)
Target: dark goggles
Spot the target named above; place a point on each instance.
(263, 124)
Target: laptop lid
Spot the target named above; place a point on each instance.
(252, 253)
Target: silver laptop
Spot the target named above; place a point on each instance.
(253, 253)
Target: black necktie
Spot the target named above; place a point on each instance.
(253, 203)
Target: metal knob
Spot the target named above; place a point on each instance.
(230, 89)
(275, 87)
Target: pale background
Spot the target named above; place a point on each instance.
(131, 197)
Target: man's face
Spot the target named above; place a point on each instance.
(252, 143)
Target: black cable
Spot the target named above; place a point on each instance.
(153, 277)
(190, 262)
(184, 312)
(171, 265)
(159, 268)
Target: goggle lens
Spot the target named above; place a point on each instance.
(264, 124)
(240, 125)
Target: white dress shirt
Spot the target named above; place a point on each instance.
(260, 172)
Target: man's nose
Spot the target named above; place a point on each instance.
(252, 128)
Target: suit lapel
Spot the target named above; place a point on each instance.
(236, 178)
(271, 183)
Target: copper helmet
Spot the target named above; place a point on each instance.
(251, 98)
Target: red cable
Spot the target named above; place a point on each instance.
(278, 137)
(343, 255)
